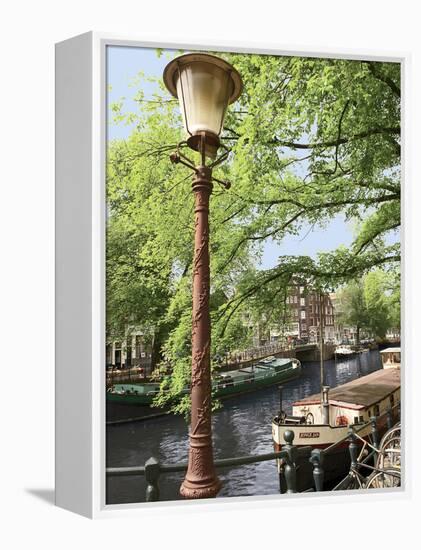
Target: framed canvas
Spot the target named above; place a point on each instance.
(228, 274)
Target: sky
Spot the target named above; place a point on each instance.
(123, 64)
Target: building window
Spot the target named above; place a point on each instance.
(295, 300)
(302, 301)
(303, 314)
(301, 289)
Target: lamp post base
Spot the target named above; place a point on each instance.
(193, 490)
(201, 480)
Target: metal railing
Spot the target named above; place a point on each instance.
(153, 469)
(288, 459)
(318, 455)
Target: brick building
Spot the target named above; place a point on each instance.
(304, 314)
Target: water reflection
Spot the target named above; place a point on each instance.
(242, 427)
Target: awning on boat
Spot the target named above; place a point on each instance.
(362, 392)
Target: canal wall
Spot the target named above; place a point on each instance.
(308, 354)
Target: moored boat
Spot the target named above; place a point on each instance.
(391, 358)
(323, 420)
(344, 351)
(266, 372)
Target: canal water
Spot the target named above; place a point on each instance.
(241, 427)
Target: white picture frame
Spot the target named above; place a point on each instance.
(80, 268)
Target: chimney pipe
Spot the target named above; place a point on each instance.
(280, 402)
(325, 405)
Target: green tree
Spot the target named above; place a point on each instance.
(366, 304)
(311, 138)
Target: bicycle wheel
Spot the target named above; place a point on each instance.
(385, 479)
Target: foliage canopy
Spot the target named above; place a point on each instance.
(310, 138)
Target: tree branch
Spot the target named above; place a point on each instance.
(258, 238)
(374, 235)
(372, 66)
(333, 143)
(368, 201)
(338, 142)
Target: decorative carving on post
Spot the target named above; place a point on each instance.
(201, 480)
(152, 471)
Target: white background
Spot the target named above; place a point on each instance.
(28, 32)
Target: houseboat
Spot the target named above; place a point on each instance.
(324, 419)
(344, 352)
(391, 358)
(266, 372)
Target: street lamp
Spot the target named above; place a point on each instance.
(205, 85)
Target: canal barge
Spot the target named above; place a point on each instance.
(344, 352)
(266, 372)
(323, 420)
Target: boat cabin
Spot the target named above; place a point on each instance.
(391, 358)
(352, 403)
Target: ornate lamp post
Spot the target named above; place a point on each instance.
(204, 85)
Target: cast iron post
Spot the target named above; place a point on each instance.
(152, 471)
(290, 466)
(353, 448)
(201, 480)
(316, 459)
(389, 418)
(374, 432)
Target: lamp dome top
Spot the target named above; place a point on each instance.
(173, 67)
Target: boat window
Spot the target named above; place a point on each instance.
(369, 413)
(392, 400)
(376, 410)
(361, 419)
(355, 419)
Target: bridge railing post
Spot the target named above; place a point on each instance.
(374, 432)
(353, 448)
(290, 469)
(389, 418)
(316, 459)
(152, 472)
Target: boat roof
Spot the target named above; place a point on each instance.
(361, 392)
(139, 388)
(276, 362)
(391, 350)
